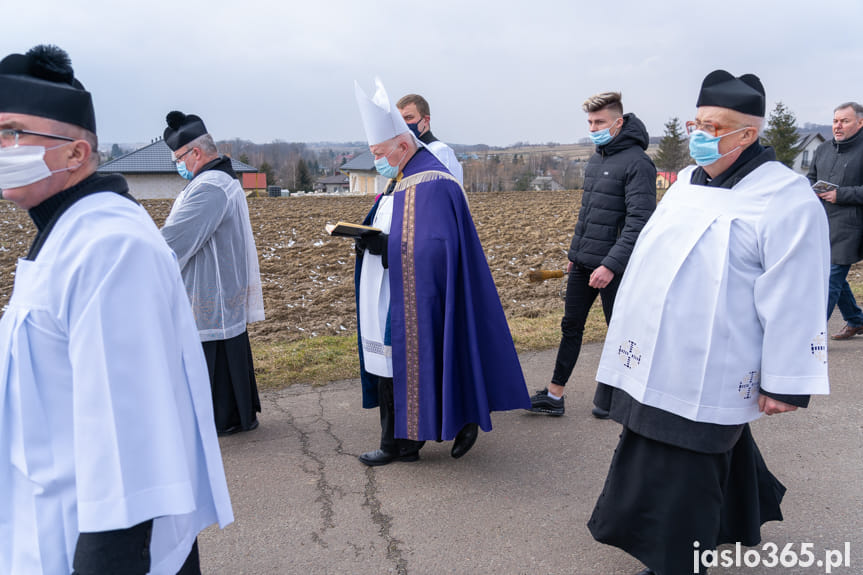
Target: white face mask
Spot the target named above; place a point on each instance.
(24, 165)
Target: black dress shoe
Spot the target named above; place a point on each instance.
(464, 440)
(600, 413)
(380, 457)
(237, 429)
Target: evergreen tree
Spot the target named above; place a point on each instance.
(522, 182)
(314, 168)
(116, 152)
(268, 170)
(781, 134)
(673, 154)
(304, 177)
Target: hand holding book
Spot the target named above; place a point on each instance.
(376, 244)
(349, 230)
(367, 238)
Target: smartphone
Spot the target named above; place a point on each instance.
(821, 186)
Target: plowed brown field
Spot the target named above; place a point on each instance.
(308, 275)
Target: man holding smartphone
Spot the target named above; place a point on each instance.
(837, 177)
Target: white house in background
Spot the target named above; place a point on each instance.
(152, 173)
(362, 176)
(338, 184)
(545, 184)
(808, 144)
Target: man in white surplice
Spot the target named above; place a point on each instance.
(719, 319)
(417, 115)
(109, 461)
(210, 231)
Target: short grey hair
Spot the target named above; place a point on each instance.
(858, 109)
(756, 122)
(746, 120)
(406, 137)
(601, 101)
(79, 133)
(206, 144)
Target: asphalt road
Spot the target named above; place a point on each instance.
(518, 502)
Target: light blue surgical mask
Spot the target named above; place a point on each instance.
(602, 137)
(184, 171)
(704, 148)
(382, 165)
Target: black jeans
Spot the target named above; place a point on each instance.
(579, 299)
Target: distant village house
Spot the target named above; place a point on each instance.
(807, 143)
(665, 179)
(338, 184)
(151, 172)
(363, 178)
(255, 183)
(545, 184)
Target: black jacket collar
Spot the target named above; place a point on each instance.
(220, 164)
(428, 138)
(43, 213)
(46, 214)
(848, 144)
(632, 133)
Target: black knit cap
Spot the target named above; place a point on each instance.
(42, 83)
(182, 129)
(744, 94)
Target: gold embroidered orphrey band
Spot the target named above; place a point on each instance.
(412, 360)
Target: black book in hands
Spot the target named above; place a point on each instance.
(349, 230)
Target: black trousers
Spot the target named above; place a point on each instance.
(232, 381)
(579, 299)
(123, 552)
(389, 443)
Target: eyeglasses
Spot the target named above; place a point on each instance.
(180, 157)
(9, 137)
(706, 127)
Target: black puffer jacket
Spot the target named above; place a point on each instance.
(841, 163)
(619, 196)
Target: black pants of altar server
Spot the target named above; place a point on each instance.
(579, 299)
(125, 551)
(659, 499)
(389, 443)
(232, 380)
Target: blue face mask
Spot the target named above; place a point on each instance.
(184, 171)
(704, 148)
(601, 137)
(382, 165)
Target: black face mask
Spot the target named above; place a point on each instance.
(415, 128)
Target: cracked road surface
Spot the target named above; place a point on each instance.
(517, 503)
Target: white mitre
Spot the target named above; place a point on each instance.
(382, 120)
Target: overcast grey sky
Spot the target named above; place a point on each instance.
(494, 71)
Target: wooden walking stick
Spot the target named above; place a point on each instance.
(537, 276)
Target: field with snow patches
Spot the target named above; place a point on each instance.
(308, 275)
